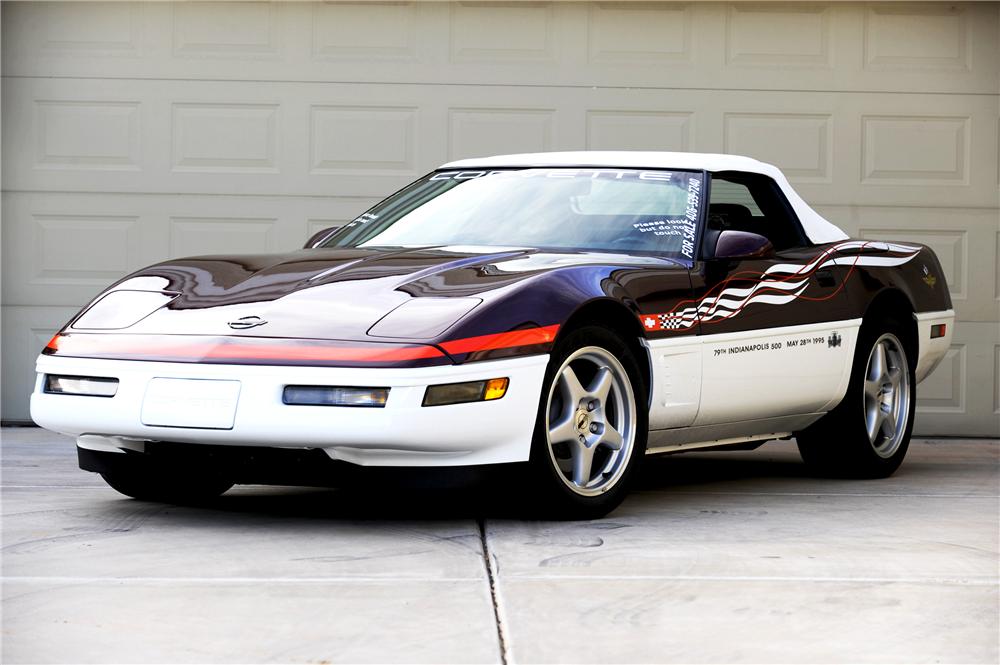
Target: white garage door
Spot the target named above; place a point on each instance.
(137, 132)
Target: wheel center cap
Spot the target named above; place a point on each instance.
(582, 421)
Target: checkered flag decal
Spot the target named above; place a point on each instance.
(669, 322)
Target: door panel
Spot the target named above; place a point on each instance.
(776, 333)
(767, 373)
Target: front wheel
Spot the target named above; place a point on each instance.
(868, 434)
(591, 427)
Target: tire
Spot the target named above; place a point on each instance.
(868, 433)
(143, 481)
(591, 428)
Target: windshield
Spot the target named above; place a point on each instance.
(586, 209)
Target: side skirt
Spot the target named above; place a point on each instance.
(708, 436)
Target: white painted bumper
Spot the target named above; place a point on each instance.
(403, 433)
(931, 351)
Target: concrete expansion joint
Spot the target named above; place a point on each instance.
(493, 577)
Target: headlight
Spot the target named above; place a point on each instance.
(93, 386)
(471, 391)
(335, 396)
(121, 309)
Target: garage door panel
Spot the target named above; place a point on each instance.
(218, 235)
(960, 397)
(501, 32)
(110, 142)
(62, 249)
(996, 268)
(209, 137)
(365, 140)
(869, 149)
(903, 47)
(489, 131)
(234, 137)
(801, 142)
(915, 150)
(639, 130)
(236, 30)
(26, 331)
(335, 36)
(640, 33)
(782, 35)
(231, 137)
(926, 37)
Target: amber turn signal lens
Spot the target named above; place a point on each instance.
(495, 389)
(461, 393)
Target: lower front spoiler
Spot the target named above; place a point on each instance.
(253, 465)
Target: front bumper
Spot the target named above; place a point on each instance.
(403, 433)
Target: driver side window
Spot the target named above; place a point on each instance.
(754, 203)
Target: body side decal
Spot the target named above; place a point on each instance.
(780, 284)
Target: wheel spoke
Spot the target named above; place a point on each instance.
(889, 425)
(583, 459)
(564, 429)
(611, 438)
(873, 421)
(895, 375)
(877, 365)
(872, 389)
(601, 385)
(572, 390)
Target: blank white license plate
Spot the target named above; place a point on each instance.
(201, 403)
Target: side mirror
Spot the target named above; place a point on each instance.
(743, 245)
(319, 235)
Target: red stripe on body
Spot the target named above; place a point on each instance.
(506, 340)
(116, 346)
(237, 349)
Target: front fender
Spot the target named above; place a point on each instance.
(532, 312)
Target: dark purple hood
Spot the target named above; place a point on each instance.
(342, 293)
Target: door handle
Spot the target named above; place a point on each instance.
(825, 278)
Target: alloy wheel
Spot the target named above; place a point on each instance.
(886, 395)
(590, 421)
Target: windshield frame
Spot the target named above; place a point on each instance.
(334, 239)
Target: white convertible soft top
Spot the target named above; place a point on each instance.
(817, 228)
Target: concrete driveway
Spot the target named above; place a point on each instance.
(717, 557)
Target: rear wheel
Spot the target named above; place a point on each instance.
(868, 434)
(141, 480)
(591, 426)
